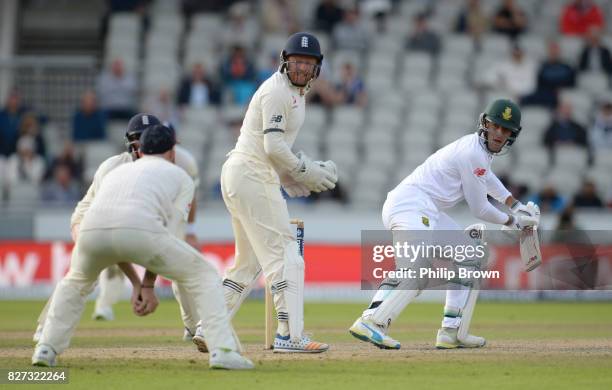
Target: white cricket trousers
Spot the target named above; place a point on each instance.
(260, 221)
(111, 285)
(411, 209)
(161, 253)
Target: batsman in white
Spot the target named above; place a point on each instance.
(131, 219)
(256, 168)
(460, 170)
(111, 278)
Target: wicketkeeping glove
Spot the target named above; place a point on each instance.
(293, 188)
(315, 177)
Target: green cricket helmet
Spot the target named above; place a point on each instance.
(504, 113)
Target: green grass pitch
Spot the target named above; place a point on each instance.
(530, 346)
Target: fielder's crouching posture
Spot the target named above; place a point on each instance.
(460, 170)
(131, 220)
(261, 162)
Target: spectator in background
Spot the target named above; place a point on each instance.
(422, 37)
(117, 91)
(195, 6)
(327, 15)
(601, 132)
(564, 130)
(240, 28)
(578, 16)
(25, 166)
(162, 106)
(198, 90)
(350, 33)
(549, 200)
(269, 68)
(68, 158)
(30, 127)
(10, 116)
(280, 16)
(516, 77)
(323, 92)
(472, 20)
(553, 75)
(62, 188)
(609, 197)
(351, 88)
(595, 56)
(587, 196)
(238, 74)
(88, 122)
(510, 19)
(518, 190)
(378, 11)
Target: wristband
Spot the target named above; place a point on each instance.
(151, 286)
(190, 228)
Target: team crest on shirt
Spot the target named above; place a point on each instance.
(294, 104)
(425, 221)
(480, 172)
(507, 114)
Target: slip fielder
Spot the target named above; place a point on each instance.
(132, 218)
(111, 278)
(460, 170)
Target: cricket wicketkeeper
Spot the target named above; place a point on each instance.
(251, 181)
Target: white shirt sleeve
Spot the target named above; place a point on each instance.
(274, 115)
(474, 186)
(84, 204)
(181, 206)
(496, 189)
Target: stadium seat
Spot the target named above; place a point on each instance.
(23, 196)
(571, 159)
(348, 116)
(96, 152)
(565, 184)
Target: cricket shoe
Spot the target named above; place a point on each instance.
(188, 335)
(447, 339)
(103, 314)
(284, 344)
(44, 356)
(366, 330)
(226, 359)
(199, 340)
(37, 333)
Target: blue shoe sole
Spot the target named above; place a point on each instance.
(368, 340)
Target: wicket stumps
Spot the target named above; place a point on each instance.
(270, 321)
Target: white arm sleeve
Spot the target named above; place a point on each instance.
(496, 189)
(83, 205)
(181, 207)
(277, 149)
(274, 111)
(475, 191)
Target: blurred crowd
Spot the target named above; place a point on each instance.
(118, 94)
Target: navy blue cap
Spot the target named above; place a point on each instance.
(157, 139)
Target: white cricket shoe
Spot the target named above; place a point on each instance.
(229, 360)
(366, 330)
(284, 344)
(37, 333)
(188, 335)
(103, 314)
(199, 340)
(447, 339)
(44, 356)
